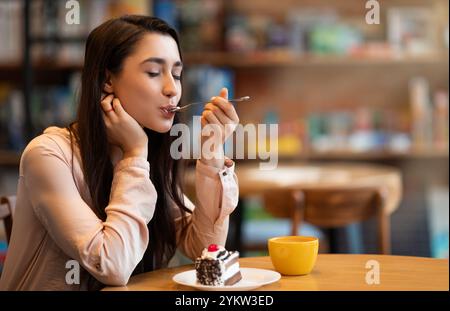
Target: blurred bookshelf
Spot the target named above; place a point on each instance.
(43, 66)
(12, 158)
(305, 42)
(263, 59)
(286, 58)
(9, 158)
(370, 155)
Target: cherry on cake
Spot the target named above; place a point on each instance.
(217, 266)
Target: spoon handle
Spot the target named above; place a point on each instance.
(234, 100)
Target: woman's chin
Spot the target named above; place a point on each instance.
(162, 127)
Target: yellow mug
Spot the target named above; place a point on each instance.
(293, 255)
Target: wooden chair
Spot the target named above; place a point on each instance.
(332, 208)
(7, 206)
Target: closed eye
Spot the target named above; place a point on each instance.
(155, 74)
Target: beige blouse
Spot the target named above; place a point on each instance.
(54, 222)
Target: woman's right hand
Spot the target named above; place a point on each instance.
(122, 129)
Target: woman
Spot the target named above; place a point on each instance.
(105, 193)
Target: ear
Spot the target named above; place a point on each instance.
(108, 86)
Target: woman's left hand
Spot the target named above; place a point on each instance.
(221, 114)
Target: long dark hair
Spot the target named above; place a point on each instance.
(106, 48)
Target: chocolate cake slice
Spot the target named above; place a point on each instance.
(217, 266)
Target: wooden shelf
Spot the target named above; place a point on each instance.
(379, 155)
(366, 156)
(262, 59)
(10, 66)
(269, 59)
(9, 158)
(43, 66)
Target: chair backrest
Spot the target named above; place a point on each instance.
(7, 206)
(330, 207)
(279, 203)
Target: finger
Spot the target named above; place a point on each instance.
(226, 107)
(107, 98)
(211, 118)
(211, 125)
(223, 118)
(111, 113)
(228, 162)
(118, 108)
(106, 103)
(203, 121)
(104, 95)
(106, 120)
(224, 93)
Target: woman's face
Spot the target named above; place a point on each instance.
(149, 82)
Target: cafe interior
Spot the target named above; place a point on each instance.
(346, 129)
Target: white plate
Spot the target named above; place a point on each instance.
(251, 278)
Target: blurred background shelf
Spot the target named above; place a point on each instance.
(371, 155)
(271, 59)
(9, 158)
(260, 59)
(43, 66)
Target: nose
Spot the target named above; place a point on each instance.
(170, 86)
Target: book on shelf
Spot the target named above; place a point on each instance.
(10, 30)
(429, 115)
(12, 118)
(412, 30)
(440, 120)
(437, 212)
(48, 20)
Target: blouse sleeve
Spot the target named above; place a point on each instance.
(109, 250)
(217, 195)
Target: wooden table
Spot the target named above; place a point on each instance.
(331, 273)
(304, 176)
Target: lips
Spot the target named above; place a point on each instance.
(166, 113)
(167, 108)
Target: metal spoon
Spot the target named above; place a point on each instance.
(234, 100)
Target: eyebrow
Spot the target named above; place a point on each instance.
(162, 61)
